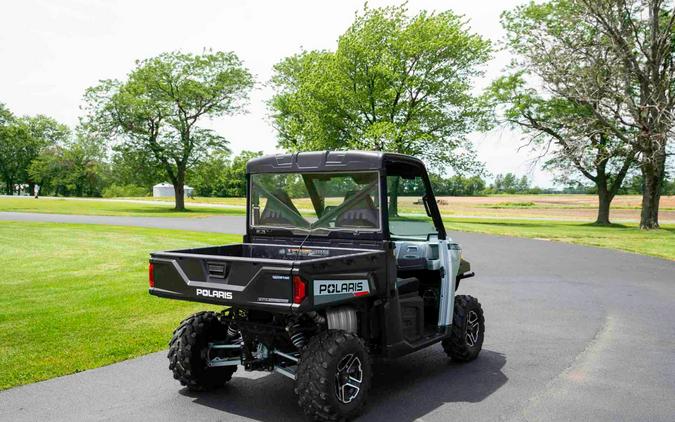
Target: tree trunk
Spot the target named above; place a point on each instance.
(605, 195)
(179, 191)
(651, 196)
(649, 218)
(604, 202)
(393, 196)
(653, 171)
(9, 187)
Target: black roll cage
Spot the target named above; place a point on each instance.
(385, 164)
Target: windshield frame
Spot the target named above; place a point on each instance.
(321, 231)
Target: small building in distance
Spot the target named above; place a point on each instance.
(166, 190)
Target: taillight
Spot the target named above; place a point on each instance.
(151, 274)
(299, 289)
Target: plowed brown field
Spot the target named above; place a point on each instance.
(563, 207)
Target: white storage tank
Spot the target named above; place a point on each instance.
(166, 190)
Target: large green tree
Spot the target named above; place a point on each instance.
(5, 114)
(21, 140)
(641, 35)
(71, 167)
(395, 83)
(566, 133)
(220, 175)
(613, 61)
(130, 166)
(160, 105)
(12, 139)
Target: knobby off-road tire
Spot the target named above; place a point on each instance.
(468, 330)
(188, 352)
(330, 359)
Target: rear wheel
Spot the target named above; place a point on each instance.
(333, 377)
(468, 329)
(188, 352)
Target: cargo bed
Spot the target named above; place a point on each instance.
(257, 275)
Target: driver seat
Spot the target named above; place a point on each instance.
(362, 214)
(273, 214)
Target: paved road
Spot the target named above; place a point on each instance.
(219, 224)
(573, 333)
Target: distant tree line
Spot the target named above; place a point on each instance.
(476, 185)
(632, 185)
(38, 150)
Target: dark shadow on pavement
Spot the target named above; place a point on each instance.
(403, 389)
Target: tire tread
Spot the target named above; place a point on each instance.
(185, 365)
(455, 344)
(312, 379)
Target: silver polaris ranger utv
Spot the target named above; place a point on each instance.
(345, 258)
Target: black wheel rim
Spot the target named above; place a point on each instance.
(472, 328)
(348, 378)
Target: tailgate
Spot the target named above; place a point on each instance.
(223, 280)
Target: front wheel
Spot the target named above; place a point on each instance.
(468, 329)
(333, 377)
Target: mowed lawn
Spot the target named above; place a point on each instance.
(626, 237)
(74, 297)
(134, 208)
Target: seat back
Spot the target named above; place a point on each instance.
(273, 214)
(361, 214)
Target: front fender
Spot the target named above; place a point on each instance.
(463, 272)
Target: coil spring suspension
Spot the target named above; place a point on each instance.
(232, 333)
(297, 337)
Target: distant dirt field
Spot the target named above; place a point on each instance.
(625, 208)
(567, 207)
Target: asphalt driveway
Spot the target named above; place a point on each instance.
(219, 224)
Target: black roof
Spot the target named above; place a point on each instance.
(318, 161)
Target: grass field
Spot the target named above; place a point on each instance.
(134, 208)
(74, 297)
(626, 237)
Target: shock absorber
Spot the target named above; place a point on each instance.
(316, 317)
(297, 336)
(232, 333)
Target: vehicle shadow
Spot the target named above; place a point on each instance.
(403, 389)
(413, 386)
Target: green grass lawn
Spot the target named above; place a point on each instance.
(626, 237)
(236, 202)
(74, 297)
(104, 207)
